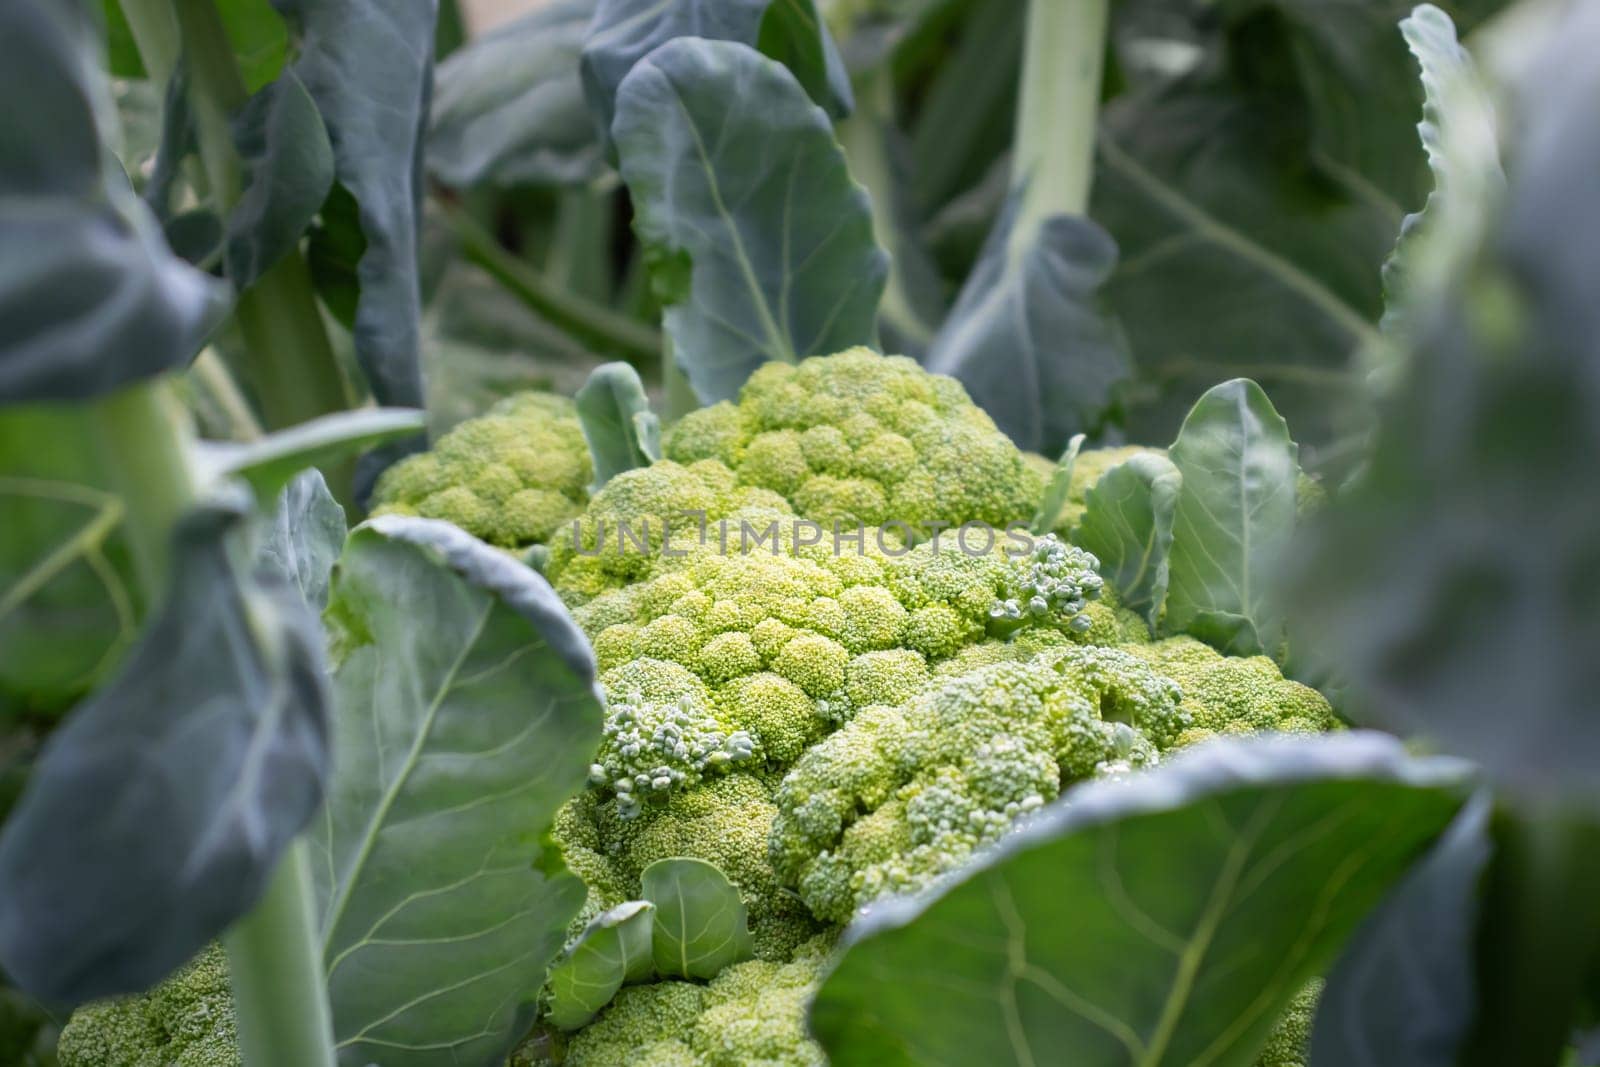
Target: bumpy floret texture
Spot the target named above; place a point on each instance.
(903, 795)
(751, 1014)
(1289, 1045)
(186, 1021)
(512, 477)
(863, 439)
(1235, 695)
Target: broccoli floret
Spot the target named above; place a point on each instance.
(186, 1021)
(1235, 695)
(511, 477)
(901, 796)
(751, 1013)
(1289, 1044)
(864, 439)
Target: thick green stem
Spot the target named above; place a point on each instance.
(1062, 69)
(155, 34)
(586, 320)
(275, 963)
(211, 376)
(678, 395)
(145, 440)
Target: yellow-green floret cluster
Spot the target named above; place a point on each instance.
(751, 1013)
(863, 439)
(903, 795)
(512, 477)
(1289, 1044)
(1235, 695)
(186, 1021)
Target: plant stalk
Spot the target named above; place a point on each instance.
(275, 965)
(1062, 69)
(678, 396)
(584, 319)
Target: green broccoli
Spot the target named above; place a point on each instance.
(903, 795)
(863, 439)
(1235, 695)
(751, 1013)
(1289, 1044)
(511, 477)
(186, 1021)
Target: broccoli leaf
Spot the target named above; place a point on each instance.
(1127, 523)
(789, 31)
(159, 809)
(621, 430)
(1162, 919)
(272, 462)
(701, 925)
(761, 245)
(91, 297)
(1057, 493)
(1029, 337)
(1234, 519)
(304, 538)
(613, 949)
(466, 713)
(509, 107)
(1401, 994)
(288, 171)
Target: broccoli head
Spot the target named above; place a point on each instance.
(1289, 1044)
(510, 477)
(863, 440)
(751, 1013)
(1235, 695)
(903, 795)
(186, 1021)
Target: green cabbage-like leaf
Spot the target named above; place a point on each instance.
(304, 537)
(622, 431)
(159, 809)
(271, 462)
(612, 950)
(1127, 523)
(761, 245)
(1234, 519)
(1057, 493)
(1161, 920)
(700, 923)
(288, 171)
(466, 713)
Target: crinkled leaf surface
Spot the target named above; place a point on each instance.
(1401, 995)
(1461, 577)
(1234, 520)
(368, 65)
(1127, 523)
(1030, 337)
(304, 537)
(91, 298)
(1053, 505)
(790, 31)
(613, 949)
(510, 108)
(621, 430)
(1164, 919)
(288, 168)
(271, 462)
(69, 605)
(761, 244)
(700, 923)
(466, 713)
(159, 809)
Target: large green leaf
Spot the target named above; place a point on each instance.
(790, 31)
(91, 298)
(1128, 521)
(1459, 580)
(159, 809)
(1401, 994)
(1234, 520)
(761, 245)
(1029, 337)
(700, 923)
(466, 713)
(510, 109)
(69, 607)
(271, 462)
(288, 166)
(621, 430)
(613, 949)
(304, 537)
(1053, 504)
(1160, 920)
(368, 65)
